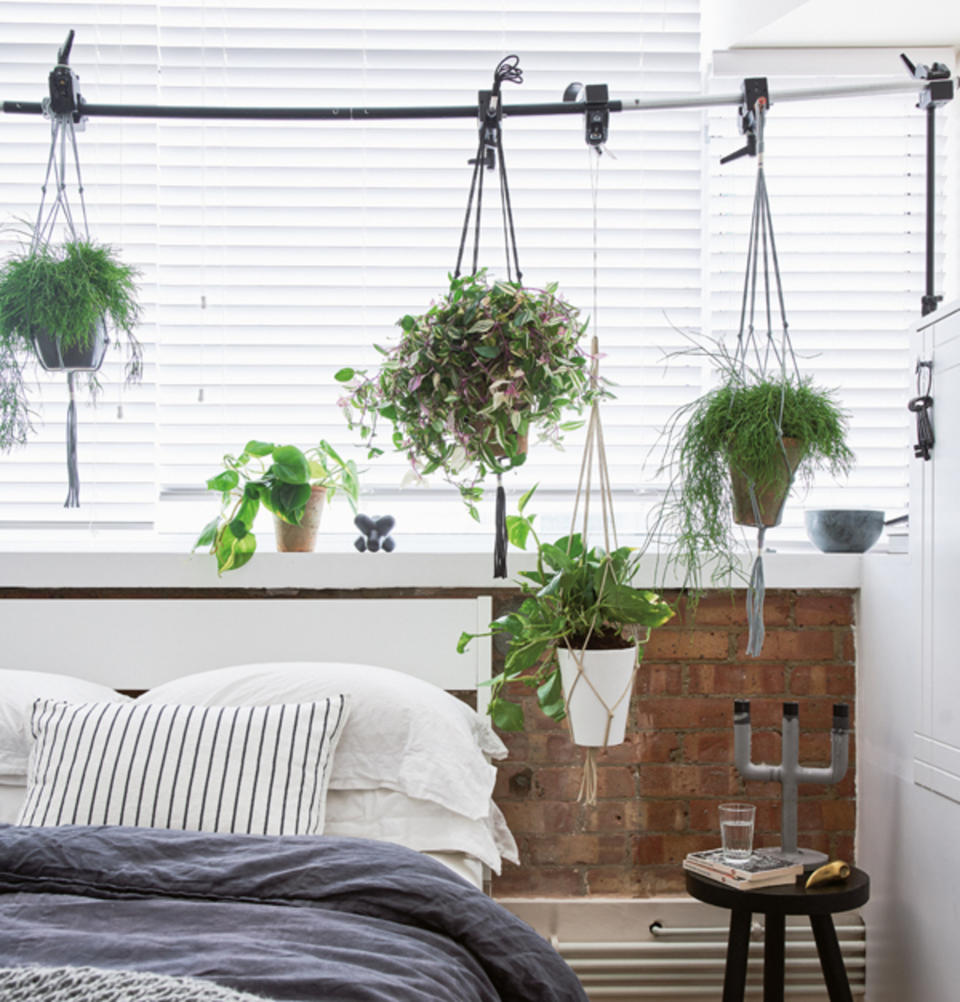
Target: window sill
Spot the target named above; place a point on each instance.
(418, 562)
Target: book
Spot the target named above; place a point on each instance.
(762, 869)
(777, 880)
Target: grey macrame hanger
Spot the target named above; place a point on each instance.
(63, 142)
(757, 355)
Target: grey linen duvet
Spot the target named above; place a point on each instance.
(299, 917)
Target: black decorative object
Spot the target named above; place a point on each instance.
(790, 773)
(920, 405)
(376, 533)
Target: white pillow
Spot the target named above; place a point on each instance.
(18, 691)
(404, 734)
(251, 769)
(389, 816)
(12, 796)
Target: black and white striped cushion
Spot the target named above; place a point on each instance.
(254, 769)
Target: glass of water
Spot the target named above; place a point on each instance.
(736, 831)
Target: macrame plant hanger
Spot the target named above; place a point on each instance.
(594, 456)
(51, 355)
(490, 157)
(758, 355)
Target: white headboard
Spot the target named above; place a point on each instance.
(139, 643)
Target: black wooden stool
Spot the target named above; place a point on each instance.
(776, 903)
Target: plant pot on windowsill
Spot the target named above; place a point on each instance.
(771, 498)
(597, 684)
(302, 537)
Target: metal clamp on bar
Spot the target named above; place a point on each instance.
(939, 90)
(489, 115)
(596, 101)
(65, 96)
(754, 90)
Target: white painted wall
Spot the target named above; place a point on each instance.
(907, 836)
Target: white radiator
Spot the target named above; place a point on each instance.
(675, 948)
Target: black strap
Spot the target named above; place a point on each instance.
(500, 533)
(920, 405)
(490, 156)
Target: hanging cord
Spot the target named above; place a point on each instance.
(920, 405)
(762, 262)
(500, 533)
(61, 130)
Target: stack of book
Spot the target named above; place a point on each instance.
(762, 869)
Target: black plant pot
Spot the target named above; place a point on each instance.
(87, 358)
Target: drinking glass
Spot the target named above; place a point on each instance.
(736, 831)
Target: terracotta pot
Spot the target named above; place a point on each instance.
(498, 452)
(590, 704)
(303, 537)
(770, 501)
(53, 358)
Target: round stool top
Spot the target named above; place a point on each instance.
(785, 899)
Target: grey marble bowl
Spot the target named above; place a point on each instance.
(844, 530)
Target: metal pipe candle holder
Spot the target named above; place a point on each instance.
(790, 773)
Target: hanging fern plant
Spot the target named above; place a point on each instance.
(471, 378)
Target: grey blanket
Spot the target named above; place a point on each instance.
(86, 984)
(306, 917)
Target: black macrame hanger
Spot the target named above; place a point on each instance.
(490, 157)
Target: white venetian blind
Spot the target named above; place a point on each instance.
(281, 251)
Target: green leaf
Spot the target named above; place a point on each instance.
(630, 605)
(232, 552)
(225, 481)
(208, 534)
(464, 640)
(481, 327)
(344, 375)
(290, 465)
(505, 715)
(389, 412)
(518, 530)
(551, 690)
(247, 511)
(520, 658)
(256, 448)
(408, 323)
(487, 351)
(289, 501)
(556, 557)
(522, 503)
(239, 528)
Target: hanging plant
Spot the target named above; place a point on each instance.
(54, 302)
(472, 378)
(769, 431)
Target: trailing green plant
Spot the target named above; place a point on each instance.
(739, 425)
(65, 292)
(471, 377)
(577, 597)
(277, 477)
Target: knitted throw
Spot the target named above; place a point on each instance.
(91, 984)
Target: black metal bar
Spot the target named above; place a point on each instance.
(773, 956)
(738, 945)
(298, 114)
(831, 959)
(930, 300)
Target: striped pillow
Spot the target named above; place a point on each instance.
(253, 769)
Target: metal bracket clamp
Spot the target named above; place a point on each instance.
(940, 88)
(64, 85)
(754, 90)
(596, 101)
(489, 116)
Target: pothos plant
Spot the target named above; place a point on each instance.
(471, 377)
(66, 293)
(577, 597)
(278, 477)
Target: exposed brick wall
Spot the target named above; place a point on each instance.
(659, 790)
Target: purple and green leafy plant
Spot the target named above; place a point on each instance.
(471, 378)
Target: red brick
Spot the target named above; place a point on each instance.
(659, 849)
(611, 881)
(688, 645)
(657, 881)
(613, 815)
(563, 850)
(615, 781)
(730, 609)
(839, 815)
(841, 847)
(708, 746)
(823, 680)
(557, 783)
(685, 713)
(530, 881)
(739, 680)
(538, 816)
(658, 680)
(664, 816)
(848, 647)
(793, 645)
(824, 610)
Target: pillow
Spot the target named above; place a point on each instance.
(18, 690)
(404, 734)
(12, 796)
(389, 816)
(252, 769)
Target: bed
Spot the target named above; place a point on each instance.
(292, 830)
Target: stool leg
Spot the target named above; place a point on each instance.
(773, 955)
(738, 943)
(831, 960)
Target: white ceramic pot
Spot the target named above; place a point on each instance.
(610, 675)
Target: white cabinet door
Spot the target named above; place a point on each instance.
(935, 548)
